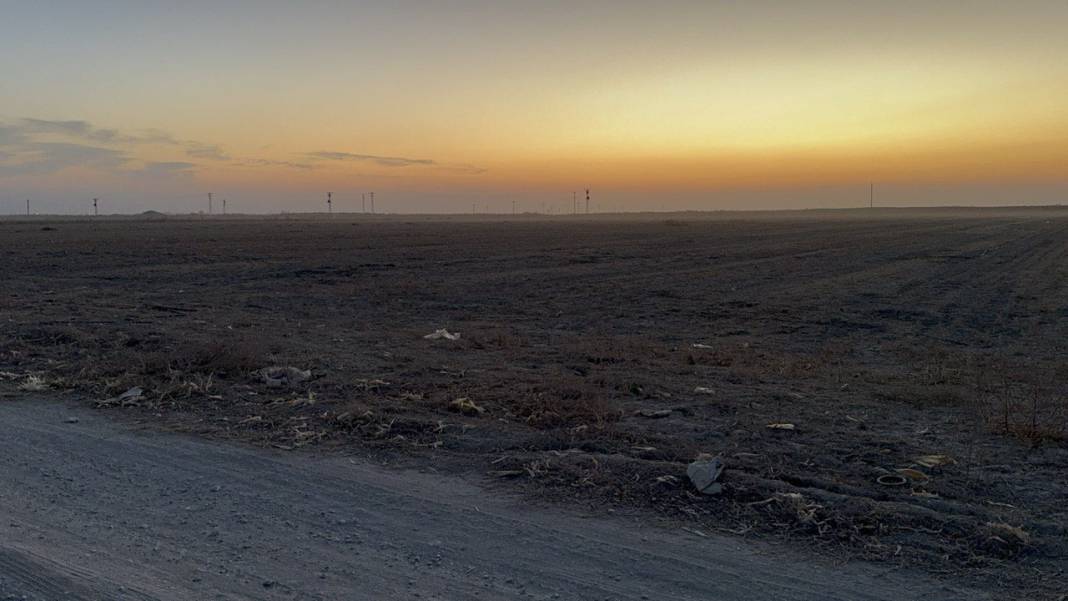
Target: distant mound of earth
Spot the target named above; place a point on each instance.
(154, 214)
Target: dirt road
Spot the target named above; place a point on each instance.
(90, 510)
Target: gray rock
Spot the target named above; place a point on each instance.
(703, 474)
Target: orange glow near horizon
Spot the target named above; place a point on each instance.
(485, 99)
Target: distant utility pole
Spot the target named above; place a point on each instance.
(574, 204)
(96, 210)
(27, 207)
(224, 206)
(330, 202)
(513, 207)
(363, 202)
(587, 201)
(210, 207)
(372, 203)
(871, 196)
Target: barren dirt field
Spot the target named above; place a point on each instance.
(912, 363)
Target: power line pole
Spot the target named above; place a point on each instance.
(871, 196)
(224, 206)
(363, 202)
(210, 207)
(372, 203)
(330, 202)
(96, 210)
(587, 201)
(27, 207)
(574, 204)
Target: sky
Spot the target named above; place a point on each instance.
(455, 105)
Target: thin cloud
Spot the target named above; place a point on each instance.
(30, 146)
(79, 129)
(28, 131)
(11, 135)
(86, 131)
(273, 163)
(327, 155)
(199, 150)
(384, 161)
(35, 158)
(168, 167)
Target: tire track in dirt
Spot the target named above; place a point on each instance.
(180, 519)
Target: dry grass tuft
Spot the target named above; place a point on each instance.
(563, 408)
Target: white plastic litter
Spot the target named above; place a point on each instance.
(442, 333)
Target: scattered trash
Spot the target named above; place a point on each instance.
(704, 472)
(935, 460)
(372, 384)
(703, 390)
(914, 475)
(701, 345)
(127, 399)
(33, 384)
(466, 406)
(892, 480)
(666, 479)
(653, 413)
(281, 377)
(796, 506)
(442, 333)
(782, 426)
(304, 401)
